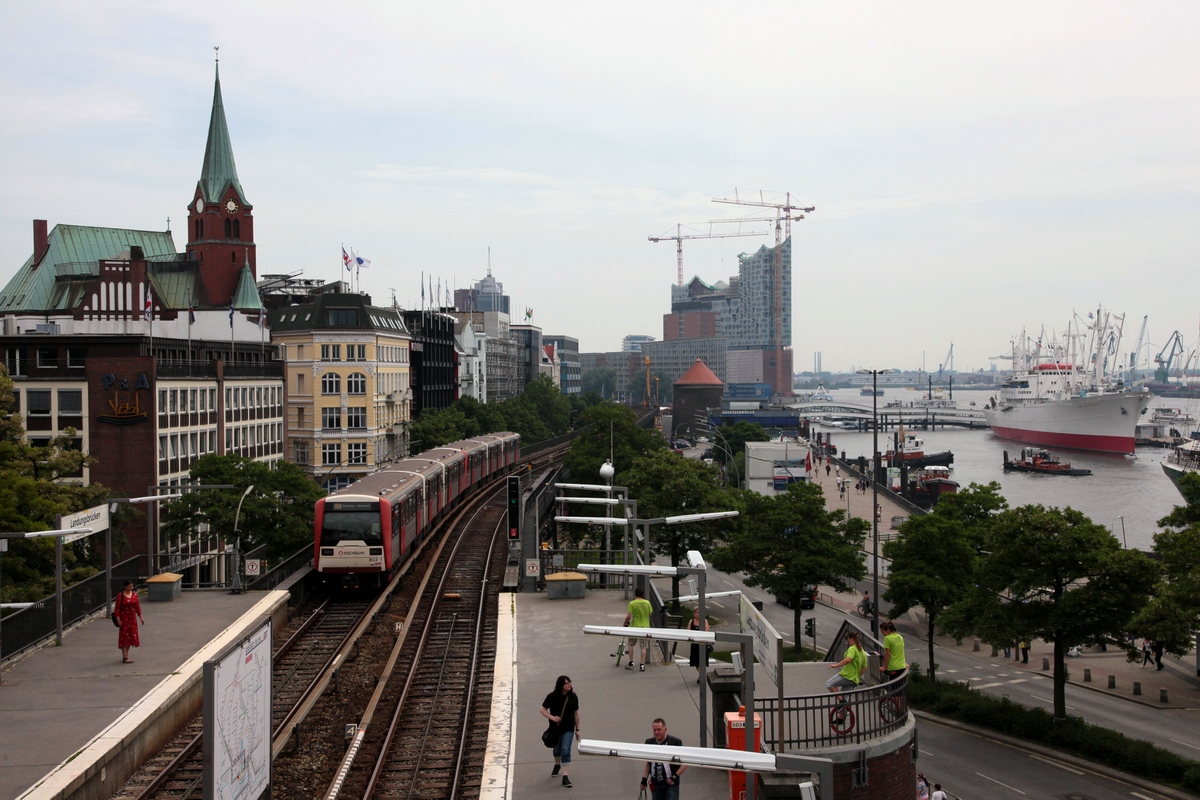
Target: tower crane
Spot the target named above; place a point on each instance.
(680, 236)
(948, 364)
(786, 212)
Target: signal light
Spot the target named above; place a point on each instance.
(810, 627)
(514, 508)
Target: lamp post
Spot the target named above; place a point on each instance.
(875, 373)
(237, 545)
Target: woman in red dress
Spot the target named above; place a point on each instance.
(128, 611)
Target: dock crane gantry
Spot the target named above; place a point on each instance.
(785, 212)
(680, 236)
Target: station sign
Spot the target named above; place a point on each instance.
(96, 518)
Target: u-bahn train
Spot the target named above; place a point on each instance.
(365, 531)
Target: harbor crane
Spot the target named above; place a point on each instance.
(948, 363)
(680, 236)
(1136, 355)
(785, 212)
(1173, 348)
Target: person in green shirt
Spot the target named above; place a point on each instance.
(638, 617)
(893, 651)
(852, 667)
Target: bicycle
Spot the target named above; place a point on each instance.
(865, 608)
(620, 651)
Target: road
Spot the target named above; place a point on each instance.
(1172, 729)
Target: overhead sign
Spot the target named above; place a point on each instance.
(768, 644)
(95, 518)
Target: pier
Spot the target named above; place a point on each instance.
(912, 417)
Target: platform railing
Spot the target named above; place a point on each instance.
(829, 720)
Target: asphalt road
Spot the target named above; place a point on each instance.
(1172, 729)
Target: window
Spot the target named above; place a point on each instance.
(195, 443)
(70, 402)
(203, 438)
(76, 357)
(300, 450)
(174, 446)
(212, 441)
(203, 400)
(331, 454)
(47, 357)
(356, 453)
(299, 383)
(162, 447)
(300, 418)
(228, 229)
(356, 417)
(38, 402)
(331, 352)
(162, 401)
(237, 229)
(331, 418)
(331, 383)
(212, 399)
(356, 383)
(342, 317)
(183, 445)
(174, 401)
(245, 399)
(192, 399)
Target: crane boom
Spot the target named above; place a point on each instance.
(680, 236)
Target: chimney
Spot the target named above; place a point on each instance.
(41, 240)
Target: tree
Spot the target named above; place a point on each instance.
(1172, 617)
(636, 389)
(788, 542)
(278, 512)
(731, 440)
(602, 380)
(436, 428)
(666, 485)
(933, 558)
(610, 427)
(1052, 574)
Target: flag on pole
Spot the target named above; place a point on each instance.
(359, 261)
(449, 300)
(231, 313)
(808, 462)
(528, 313)
(262, 317)
(422, 288)
(191, 316)
(149, 314)
(346, 259)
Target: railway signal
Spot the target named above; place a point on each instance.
(514, 508)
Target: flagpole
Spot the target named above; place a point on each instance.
(189, 332)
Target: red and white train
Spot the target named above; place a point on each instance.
(365, 531)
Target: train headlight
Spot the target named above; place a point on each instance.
(376, 551)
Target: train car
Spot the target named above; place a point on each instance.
(364, 532)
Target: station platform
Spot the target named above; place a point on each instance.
(75, 713)
(540, 639)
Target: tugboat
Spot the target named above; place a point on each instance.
(1034, 459)
(929, 484)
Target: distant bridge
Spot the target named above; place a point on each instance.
(893, 415)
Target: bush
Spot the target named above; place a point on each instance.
(1072, 735)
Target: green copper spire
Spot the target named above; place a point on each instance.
(219, 170)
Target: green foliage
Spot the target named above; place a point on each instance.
(1052, 574)
(934, 556)
(615, 426)
(659, 383)
(1172, 617)
(789, 541)
(730, 441)
(278, 512)
(601, 380)
(540, 412)
(1072, 735)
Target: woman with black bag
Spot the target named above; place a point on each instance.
(561, 707)
(700, 662)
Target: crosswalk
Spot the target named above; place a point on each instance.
(986, 676)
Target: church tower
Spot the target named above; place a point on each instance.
(220, 222)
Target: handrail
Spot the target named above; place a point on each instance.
(831, 720)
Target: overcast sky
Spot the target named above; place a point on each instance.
(976, 167)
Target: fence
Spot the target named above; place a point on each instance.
(830, 720)
(29, 626)
(283, 570)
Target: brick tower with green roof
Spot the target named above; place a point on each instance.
(220, 220)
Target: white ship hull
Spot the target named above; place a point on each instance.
(1101, 422)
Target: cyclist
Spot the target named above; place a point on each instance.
(893, 651)
(864, 606)
(852, 667)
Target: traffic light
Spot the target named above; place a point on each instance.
(514, 508)
(810, 627)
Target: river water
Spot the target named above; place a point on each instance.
(1127, 494)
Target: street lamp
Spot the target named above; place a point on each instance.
(875, 373)
(237, 545)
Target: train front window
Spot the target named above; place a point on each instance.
(351, 522)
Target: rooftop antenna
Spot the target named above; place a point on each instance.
(489, 261)
(217, 56)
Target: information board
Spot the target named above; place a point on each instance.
(237, 719)
(95, 518)
(768, 644)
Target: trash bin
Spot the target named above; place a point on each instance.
(568, 585)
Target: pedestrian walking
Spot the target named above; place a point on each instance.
(1024, 652)
(938, 794)
(894, 663)
(663, 776)
(922, 787)
(127, 611)
(1147, 652)
(696, 658)
(638, 617)
(837, 470)
(1158, 651)
(561, 707)
(827, 469)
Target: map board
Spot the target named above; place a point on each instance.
(237, 720)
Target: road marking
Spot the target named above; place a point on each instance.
(1143, 796)
(1019, 680)
(1047, 700)
(727, 583)
(1186, 744)
(989, 685)
(1005, 785)
(1045, 760)
(949, 671)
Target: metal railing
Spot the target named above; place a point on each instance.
(283, 570)
(829, 720)
(29, 626)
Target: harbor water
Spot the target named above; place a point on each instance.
(1126, 494)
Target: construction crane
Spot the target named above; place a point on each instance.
(680, 236)
(1136, 355)
(948, 364)
(1174, 347)
(786, 212)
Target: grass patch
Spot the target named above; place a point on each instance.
(1133, 756)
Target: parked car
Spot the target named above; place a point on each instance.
(702, 439)
(807, 599)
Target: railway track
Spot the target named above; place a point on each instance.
(425, 730)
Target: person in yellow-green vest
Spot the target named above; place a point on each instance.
(852, 667)
(893, 651)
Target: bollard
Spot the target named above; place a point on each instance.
(1045, 663)
(1137, 688)
(995, 651)
(958, 642)
(975, 646)
(1087, 675)
(1112, 681)
(1162, 696)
